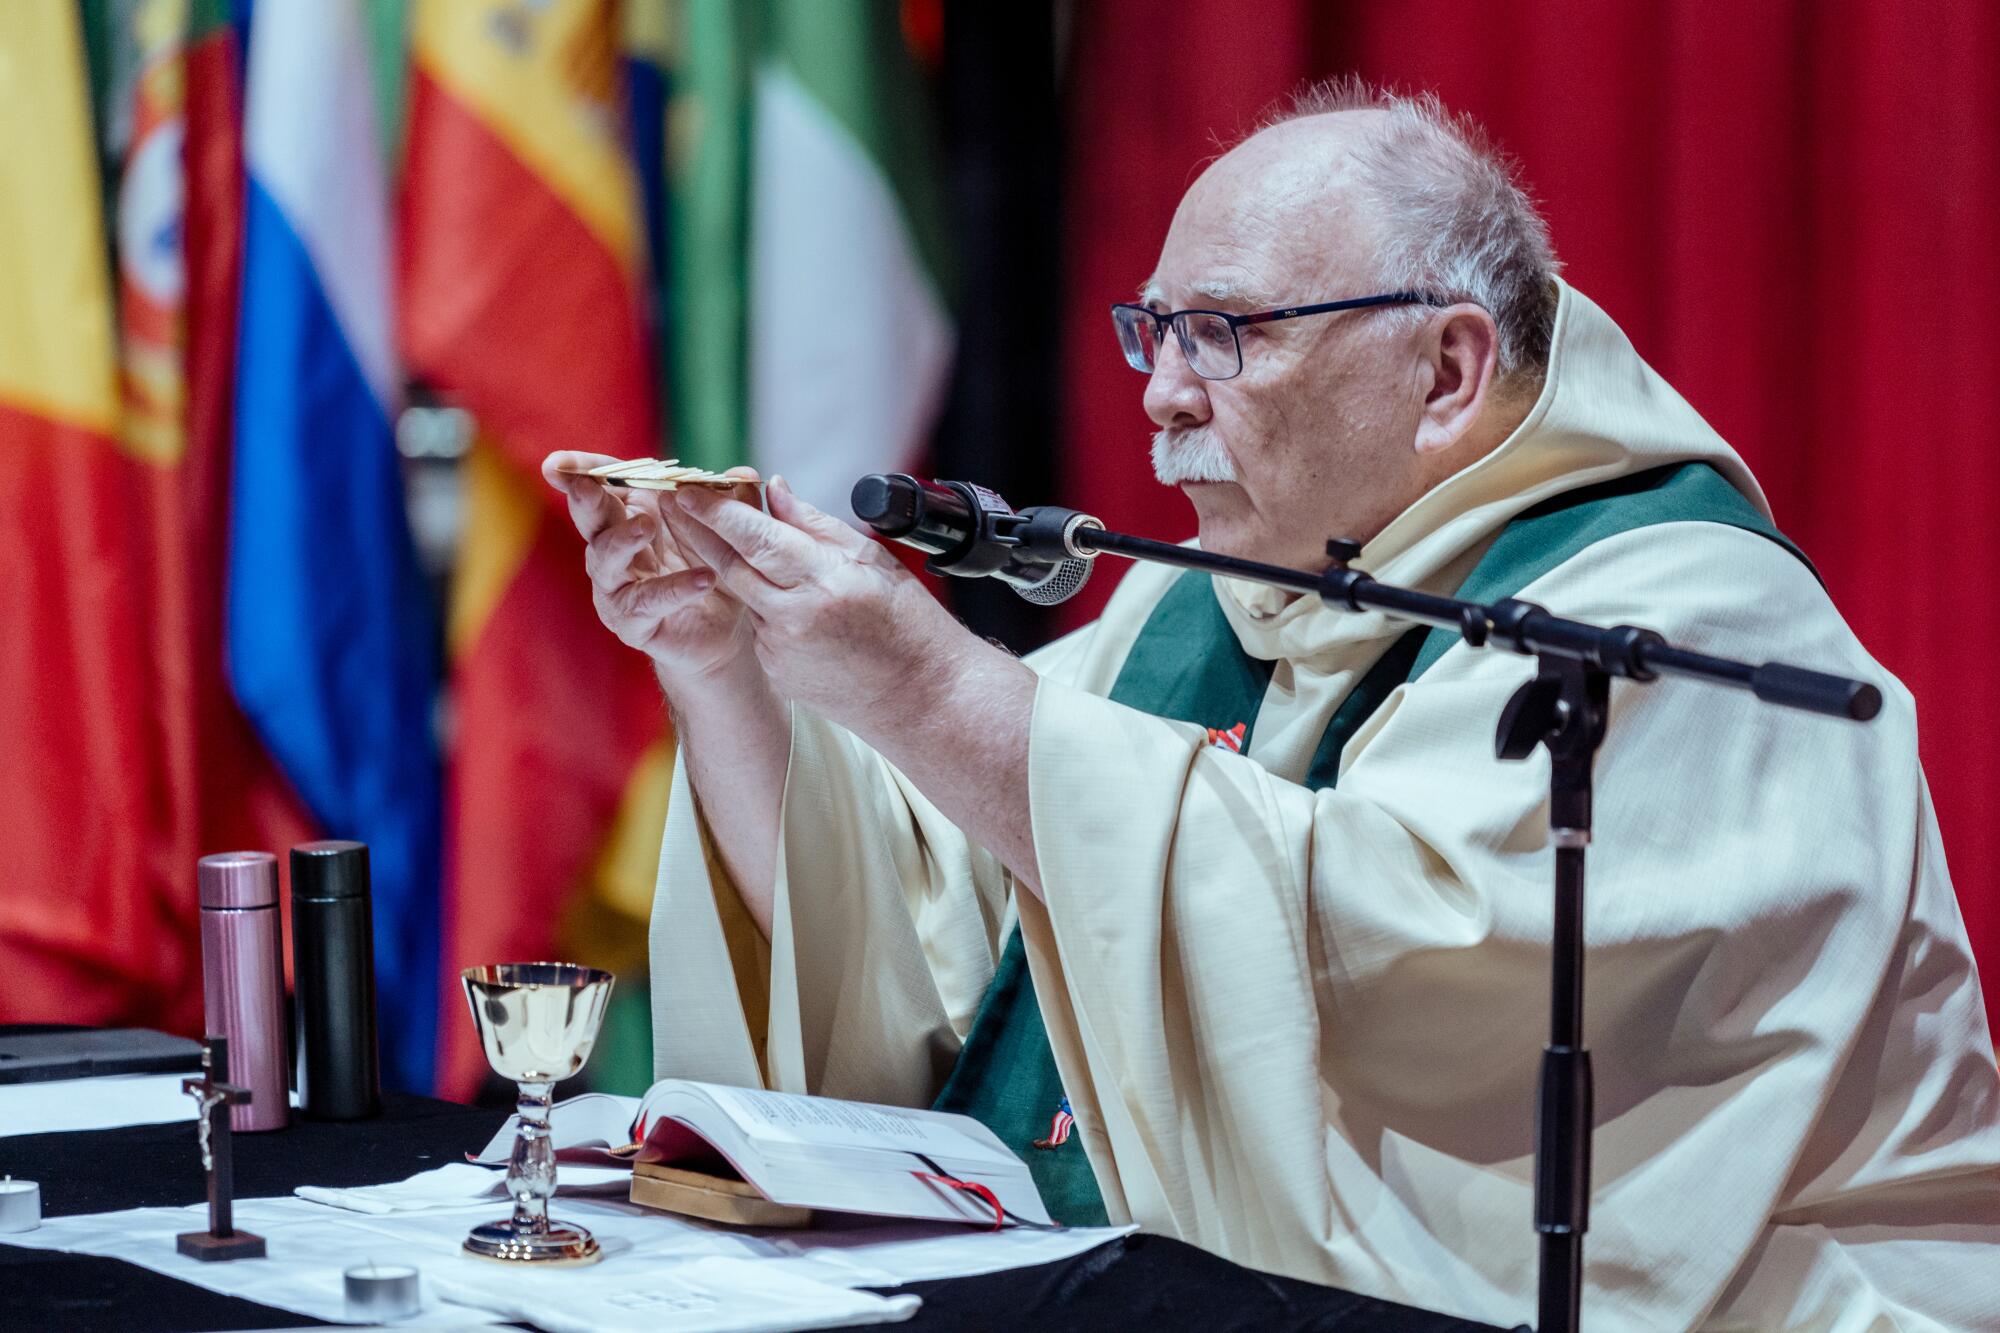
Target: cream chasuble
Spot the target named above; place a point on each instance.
(1302, 1029)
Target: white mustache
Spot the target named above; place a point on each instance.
(1192, 454)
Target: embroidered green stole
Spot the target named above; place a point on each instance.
(1187, 664)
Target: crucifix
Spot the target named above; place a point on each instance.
(214, 1095)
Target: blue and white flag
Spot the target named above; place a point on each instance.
(332, 635)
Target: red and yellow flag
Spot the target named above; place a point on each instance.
(124, 759)
(523, 279)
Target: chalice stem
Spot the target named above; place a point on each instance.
(531, 1171)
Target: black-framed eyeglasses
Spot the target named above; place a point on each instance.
(1209, 338)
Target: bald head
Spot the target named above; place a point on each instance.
(1288, 199)
(1307, 158)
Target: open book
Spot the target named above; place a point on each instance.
(805, 1152)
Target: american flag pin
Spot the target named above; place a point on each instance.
(1059, 1127)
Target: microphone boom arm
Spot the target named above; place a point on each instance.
(1045, 553)
(1518, 626)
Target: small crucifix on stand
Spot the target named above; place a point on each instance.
(214, 1095)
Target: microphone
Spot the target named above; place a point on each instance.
(972, 533)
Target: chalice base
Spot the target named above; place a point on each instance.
(561, 1246)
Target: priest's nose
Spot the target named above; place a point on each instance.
(1175, 395)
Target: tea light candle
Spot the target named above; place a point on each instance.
(378, 1293)
(20, 1205)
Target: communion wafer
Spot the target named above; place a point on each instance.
(628, 466)
(655, 474)
(687, 477)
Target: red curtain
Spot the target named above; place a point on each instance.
(1790, 207)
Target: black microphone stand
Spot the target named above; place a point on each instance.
(1564, 710)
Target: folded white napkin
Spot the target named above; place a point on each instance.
(457, 1184)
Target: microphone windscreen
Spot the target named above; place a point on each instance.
(1065, 581)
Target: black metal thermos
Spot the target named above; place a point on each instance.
(333, 979)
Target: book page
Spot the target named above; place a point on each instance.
(824, 1122)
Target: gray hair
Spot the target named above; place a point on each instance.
(1458, 222)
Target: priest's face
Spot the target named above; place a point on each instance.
(1314, 438)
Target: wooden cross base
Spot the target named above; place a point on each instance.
(211, 1248)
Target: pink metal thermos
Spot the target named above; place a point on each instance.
(243, 980)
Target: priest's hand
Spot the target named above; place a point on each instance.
(655, 592)
(842, 628)
(649, 588)
(838, 623)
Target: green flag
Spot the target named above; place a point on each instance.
(810, 333)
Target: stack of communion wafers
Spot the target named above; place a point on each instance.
(658, 474)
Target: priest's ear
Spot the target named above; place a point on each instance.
(1459, 358)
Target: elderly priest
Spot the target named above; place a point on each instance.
(1221, 912)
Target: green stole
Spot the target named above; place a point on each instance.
(1187, 664)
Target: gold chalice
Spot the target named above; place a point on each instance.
(537, 1022)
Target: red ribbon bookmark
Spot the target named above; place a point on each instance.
(979, 1191)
